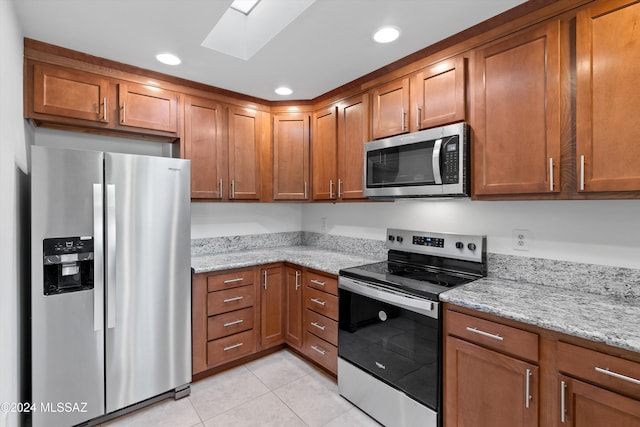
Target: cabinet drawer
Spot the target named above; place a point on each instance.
(321, 326)
(230, 280)
(493, 335)
(321, 352)
(230, 299)
(324, 283)
(230, 348)
(609, 371)
(321, 302)
(229, 323)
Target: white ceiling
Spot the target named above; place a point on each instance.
(325, 47)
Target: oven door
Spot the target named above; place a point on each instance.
(392, 336)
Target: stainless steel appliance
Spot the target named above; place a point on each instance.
(429, 163)
(111, 282)
(390, 329)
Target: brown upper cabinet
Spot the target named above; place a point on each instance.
(246, 134)
(441, 93)
(324, 154)
(516, 122)
(353, 133)
(607, 97)
(291, 156)
(390, 108)
(69, 93)
(148, 107)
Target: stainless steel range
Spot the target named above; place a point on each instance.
(390, 332)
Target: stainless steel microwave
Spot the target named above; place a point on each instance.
(429, 163)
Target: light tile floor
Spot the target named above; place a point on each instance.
(280, 390)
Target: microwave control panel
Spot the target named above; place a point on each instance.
(450, 160)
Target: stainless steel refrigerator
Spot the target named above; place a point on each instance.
(111, 282)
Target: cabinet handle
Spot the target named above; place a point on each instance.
(527, 389)
(233, 188)
(582, 172)
(485, 334)
(220, 187)
(331, 189)
(317, 301)
(264, 274)
(297, 280)
(235, 322)
(419, 115)
(550, 173)
(124, 111)
(319, 326)
(232, 299)
(104, 112)
(305, 189)
(317, 282)
(319, 350)
(606, 371)
(239, 279)
(231, 347)
(339, 188)
(563, 402)
(381, 366)
(404, 119)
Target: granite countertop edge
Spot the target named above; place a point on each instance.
(608, 320)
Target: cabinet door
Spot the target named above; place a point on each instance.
(484, 388)
(244, 154)
(69, 93)
(272, 307)
(148, 107)
(291, 157)
(607, 97)
(294, 307)
(586, 405)
(517, 107)
(391, 109)
(353, 133)
(441, 94)
(205, 147)
(324, 154)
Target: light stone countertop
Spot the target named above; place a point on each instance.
(610, 320)
(307, 256)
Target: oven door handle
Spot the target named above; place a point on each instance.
(408, 302)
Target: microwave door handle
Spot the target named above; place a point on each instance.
(435, 160)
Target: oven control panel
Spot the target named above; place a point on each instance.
(457, 246)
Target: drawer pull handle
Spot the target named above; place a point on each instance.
(231, 347)
(319, 350)
(617, 375)
(563, 402)
(235, 322)
(380, 365)
(485, 334)
(317, 301)
(239, 279)
(318, 282)
(232, 299)
(319, 326)
(527, 389)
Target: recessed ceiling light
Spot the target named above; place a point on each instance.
(244, 6)
(386, 34)
(168, 58)
(284, 91)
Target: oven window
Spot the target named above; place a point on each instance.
(398, 346)
(405, 165)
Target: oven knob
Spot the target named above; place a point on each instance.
(459, 245)
(391, 238)
(472, 246)
(399, 239)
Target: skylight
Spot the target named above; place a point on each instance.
(244, 6)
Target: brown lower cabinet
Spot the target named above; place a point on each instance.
(238, 313)
(502, 373)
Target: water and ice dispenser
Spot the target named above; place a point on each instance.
(68, 264)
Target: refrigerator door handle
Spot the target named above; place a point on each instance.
(111, 256)
(98, 259)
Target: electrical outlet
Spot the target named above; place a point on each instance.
(522, 239)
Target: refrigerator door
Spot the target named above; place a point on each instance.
(148, 284)
(67, 335)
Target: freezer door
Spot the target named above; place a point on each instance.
(67, 336)
(148, 285)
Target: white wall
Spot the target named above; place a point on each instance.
(597, 232)
(14, 214)
(235, 219)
